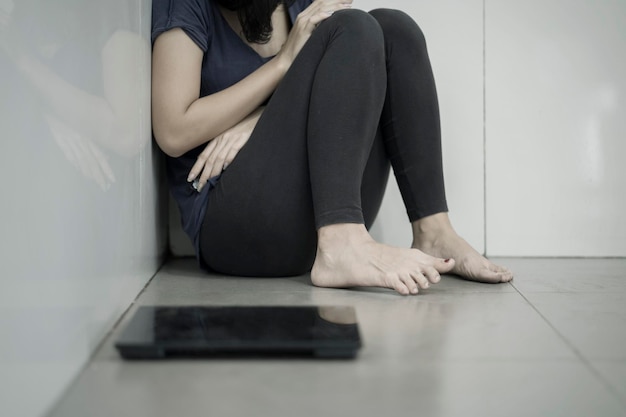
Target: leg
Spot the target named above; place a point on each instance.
(303, 168)
(410, 123)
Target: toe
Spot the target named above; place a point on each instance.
(444, 266)
(488, 276)
(505, 274)
(411, 284)
(401, 287)
(432, 275)
(420, 280)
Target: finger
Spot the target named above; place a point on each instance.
(102, 162)
(320, 11)
(78, 156)
(197, 168)
(234, 150)
(230, 157)
(92, 165)
(65, 148)
(210, 162)
(322, 15)
(218, 164)
(227, 153)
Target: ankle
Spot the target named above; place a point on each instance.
(433, 224)
(341, 234)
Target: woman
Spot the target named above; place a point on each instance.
(280, 120)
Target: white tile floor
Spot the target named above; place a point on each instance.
(551, 344)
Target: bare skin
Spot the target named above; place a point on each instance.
(434, 235)
(347, 256)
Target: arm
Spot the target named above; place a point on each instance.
(181, 120)
(108, 120)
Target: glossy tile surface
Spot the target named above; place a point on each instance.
(459, 349)
(555, 104)
(80, 219)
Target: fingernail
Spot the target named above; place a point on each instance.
(447, 260)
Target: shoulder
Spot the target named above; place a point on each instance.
(195, 17)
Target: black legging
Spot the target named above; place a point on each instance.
(359, 95)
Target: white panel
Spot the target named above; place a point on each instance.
(556, 127)
(79, 233)
(454, 32)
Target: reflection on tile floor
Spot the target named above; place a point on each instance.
(551, 343)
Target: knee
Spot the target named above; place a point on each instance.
(399, 26)
(357, 23)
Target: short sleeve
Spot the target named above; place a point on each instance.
(193, 16)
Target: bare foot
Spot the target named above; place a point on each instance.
(347, 256)
(435, 236)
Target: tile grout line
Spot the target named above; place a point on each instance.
(607, 384)
(124, 313)
(485, 126)
(99, 346)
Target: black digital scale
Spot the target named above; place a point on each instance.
(156, 332)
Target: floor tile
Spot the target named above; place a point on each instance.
(433, 326)
(614, 373)
(441, 327)
(181, 280)
(595, 324)
(458, 349)
(567, 275)
(336, 388)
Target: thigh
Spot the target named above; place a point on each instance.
(259, 219)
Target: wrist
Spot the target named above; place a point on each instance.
(282, 63)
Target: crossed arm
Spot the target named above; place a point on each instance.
(182, 120)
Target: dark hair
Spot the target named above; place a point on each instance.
(255, 16)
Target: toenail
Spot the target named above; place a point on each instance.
(447, 260)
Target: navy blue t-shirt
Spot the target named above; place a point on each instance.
(227, 60)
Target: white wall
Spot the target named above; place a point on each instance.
(532, 97)
(80, 230)
(556, 131)
(454, 34)
(549, 165)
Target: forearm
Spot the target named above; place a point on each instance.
(75, 107)
(207, 117)
(109, 120)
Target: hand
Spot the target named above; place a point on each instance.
(306, 22)
(83, 154)
(221, 151)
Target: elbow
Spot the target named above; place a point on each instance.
(169, 143)
(171, 150)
